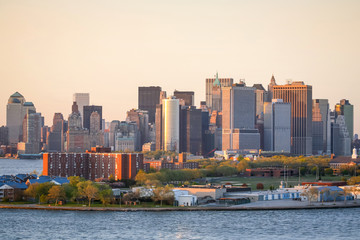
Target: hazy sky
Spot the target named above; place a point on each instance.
(51, 49)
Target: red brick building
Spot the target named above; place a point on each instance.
(93, 165)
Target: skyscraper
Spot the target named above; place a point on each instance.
(238, 119)
(277, 126)
(15, 116)
(148, 97)
(31, 142)
(55, 138)
(300, 97)
(191, 130)
(170, 122)
(82, 99)
(88, 110)
(141, 117)
(347, 110)
(321, 126)
(224, 82)
(187, 96)
(77, 137)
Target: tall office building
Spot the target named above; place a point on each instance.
(16, 110)
(77, 138)
(224, 82)
(4, 135)
(271, 89)
(238, 119)
(141, 117)
(96, 136)
(261, 97)
(82, 99)
(321, 126)
(300, 97)
(347, 110)
(170, 124)
(216, 95)
(191, 130)
(31, 142)
(158, 127)
(113, 127)
(148, 97)
(55, 138)
(127, 137)
(88, 110)
(187, 96)
(277, 126)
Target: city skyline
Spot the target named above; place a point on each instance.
(84, 50)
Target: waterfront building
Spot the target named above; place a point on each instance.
(321, 127)
(238, 118)
(277, 126)
(300, 97)
(347, 110)
(148, 97)
(88, 110)
(82, 99)
(187, 96)
(209, 87)
(93, 165)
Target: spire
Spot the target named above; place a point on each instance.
(216, 82)
(272, 81)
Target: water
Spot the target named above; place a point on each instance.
(16, 166)
(294, 224)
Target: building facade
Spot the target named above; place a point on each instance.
(88, 110)
(148, 97)
(209, 84)
(92, 165)
(300, 97)
(81, 99)
(187, 96)
(170, 124)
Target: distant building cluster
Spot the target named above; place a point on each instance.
(236, 118)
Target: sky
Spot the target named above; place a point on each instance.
(52, 49)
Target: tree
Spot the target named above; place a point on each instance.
(88, 190)
(56, 193)
(140, 177)
(106, 196)
(334, 194)
(346, 192)
(310, 193)
(354, 190)
(163, 194)
(324, 192)
(259, 186)
(329, 171)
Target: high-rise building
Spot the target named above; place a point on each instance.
(141, 117)
(261, 97)
(224, 82)
(88, 110)
(170, 124)
(15, 113)
(158, 127)
(77, 138)
(55, 138)
(187, 96)
(191, 130)
(277, 126)
(4, 135)
(300, 97)
(321, 126)
(238, 118)
(96, 136)
(114, 125)
(127, 137)
(216, 102)
(31, 142)
(148, 97)
(271, 89)
(82, 99)
(92, 165)
(347, 110)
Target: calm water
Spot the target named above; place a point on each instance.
(299, 224)
(16, 166)
(302, 224)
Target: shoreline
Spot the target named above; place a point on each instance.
(187, 209)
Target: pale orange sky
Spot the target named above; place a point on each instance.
(51, 49)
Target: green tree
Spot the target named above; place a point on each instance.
(88, 190)
(106, 196)
(56, 193)
(163, 194)
(140, 177)
(329, 171)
